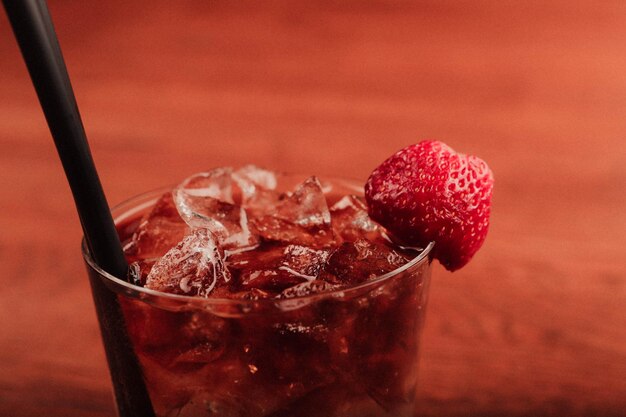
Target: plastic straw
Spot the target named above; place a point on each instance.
(32, 25)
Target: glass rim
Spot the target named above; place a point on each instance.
(142, 292)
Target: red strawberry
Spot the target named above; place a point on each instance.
(428, 192)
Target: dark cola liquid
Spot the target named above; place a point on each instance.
(303, 326)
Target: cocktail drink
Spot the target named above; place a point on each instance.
(257, 294)
(251, 293)
(245, 299)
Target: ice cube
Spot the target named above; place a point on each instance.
(317, 332)
(306, 206)
(205, 200)
(180, 341)
(258, 189)
(193, 267)
(216, 184)
(151, 329)
(273, 229)
(276, 267)
(251, 295)
(308, 288)
(159, 230)
(202, 339)
(251, 178)
(258, 270)
(268, 279)
(303, 261)
(358, 261)
(351, 221)
(266, 256)
(300, 217)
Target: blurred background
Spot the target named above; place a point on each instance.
(535, 325)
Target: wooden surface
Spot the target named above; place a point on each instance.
(535, 325)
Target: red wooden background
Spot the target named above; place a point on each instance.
(535, 325)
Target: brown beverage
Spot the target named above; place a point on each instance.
(257, 294)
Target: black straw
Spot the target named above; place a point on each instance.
(40, 48)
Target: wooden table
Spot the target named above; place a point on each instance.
(535, 325)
